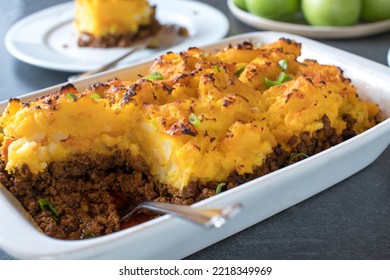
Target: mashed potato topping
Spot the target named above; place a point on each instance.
(194, 117)
(104, 17)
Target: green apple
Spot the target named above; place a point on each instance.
(240, 3)
(283, 10)
(332, 12)
(375, 10)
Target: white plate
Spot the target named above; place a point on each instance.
(318, 32)
(48, 39)
(168, 237)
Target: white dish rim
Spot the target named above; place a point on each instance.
(388, 57)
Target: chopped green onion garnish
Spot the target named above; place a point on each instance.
(217, 68)
(88, 234)
(283, 77)
(45, 204)
(194, 120)
(239, 71)
(95, 96)
(71, 96)
(269, 83)
(219, 188)
(283, 63)
(154, 76)
(296, 155)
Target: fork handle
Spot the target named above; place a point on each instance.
(206, 217)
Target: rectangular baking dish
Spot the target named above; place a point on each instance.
(168, 237)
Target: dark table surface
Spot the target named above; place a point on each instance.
(347, 221)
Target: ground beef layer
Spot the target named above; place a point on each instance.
(91, 193)
(119, 40)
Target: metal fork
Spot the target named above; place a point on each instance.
(205, 217)
(167, 36)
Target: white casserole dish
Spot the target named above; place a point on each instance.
(167, 237)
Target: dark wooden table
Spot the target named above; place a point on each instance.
(348, 221)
